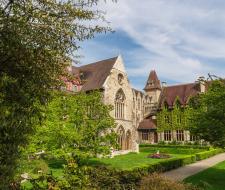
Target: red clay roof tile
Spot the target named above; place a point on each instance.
(183, 92)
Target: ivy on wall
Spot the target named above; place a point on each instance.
(173, 118)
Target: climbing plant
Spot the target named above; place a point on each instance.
(173, 118)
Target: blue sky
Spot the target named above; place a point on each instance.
(180, 39)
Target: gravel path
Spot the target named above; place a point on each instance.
(191, 169)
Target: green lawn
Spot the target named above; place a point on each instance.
(124, 162)
(135, 160)
(210, 179)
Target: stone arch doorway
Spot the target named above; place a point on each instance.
(121, 137)
(128, 140)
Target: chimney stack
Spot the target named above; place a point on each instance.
(201, 81)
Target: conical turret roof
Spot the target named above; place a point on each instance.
(153, 82)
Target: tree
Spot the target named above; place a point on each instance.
(77, 124)
(77, 127)
(207, 118)
(37, 40)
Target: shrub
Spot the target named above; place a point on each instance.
(176, 146)
(161, 143)
(207, 154)
(39, 165)
(157, 182)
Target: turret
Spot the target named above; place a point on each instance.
(153, 87)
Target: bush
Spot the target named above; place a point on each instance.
(171, 150)
(176, 146)
(32, 167)
(111, 179)
(161, 143)
(157, 182)
(207, 154)
(166, 165)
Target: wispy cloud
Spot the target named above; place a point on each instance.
(177, 36)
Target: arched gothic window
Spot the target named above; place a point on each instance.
(119, 104)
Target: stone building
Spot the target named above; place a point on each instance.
(170, 107)
(134, 111)
(130, 105)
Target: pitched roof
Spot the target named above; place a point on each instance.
(183, 92)
(147, 124)
(94, 75)
(153, 82)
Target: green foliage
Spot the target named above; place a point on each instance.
(181, 146)
(208, 114)
(37, 39)
(157, 182)
(173, 118)
(207, 154)
(75, 124)
(100, 175)
(172, 150)
(76, 127)
(133, 161)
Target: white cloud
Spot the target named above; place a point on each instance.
(178, 34)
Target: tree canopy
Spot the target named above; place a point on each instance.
(78, 124)
(37, 41)
(77, 127)
(208, 114)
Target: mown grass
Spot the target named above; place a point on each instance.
(134, 160)
(210, 179)
(123, 162)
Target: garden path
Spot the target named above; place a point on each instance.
(181, 173)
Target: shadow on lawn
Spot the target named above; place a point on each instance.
(210, 179)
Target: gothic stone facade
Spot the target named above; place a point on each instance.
(134, 111)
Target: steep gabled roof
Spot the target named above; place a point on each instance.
(147, 124)
(181, 92)
(94, 75)
(153, 82)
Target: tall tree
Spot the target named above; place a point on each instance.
(77, 127)
(37, 39)
(208, 114)
(77, 124)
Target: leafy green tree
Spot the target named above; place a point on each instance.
(207, 118)
(77, 127)
(37, 39)
(77, 124)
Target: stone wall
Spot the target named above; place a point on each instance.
(111, 86)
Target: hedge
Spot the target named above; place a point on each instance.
(129, 179)
(111, 178)
(165, 165)
(115, 179)
(207, 154)
(175, 146)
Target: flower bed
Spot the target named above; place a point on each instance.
(159, 156)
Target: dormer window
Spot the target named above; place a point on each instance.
(120, 79)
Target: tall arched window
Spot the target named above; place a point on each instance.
(119, 104)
